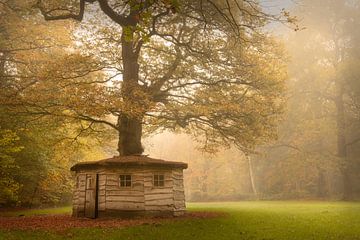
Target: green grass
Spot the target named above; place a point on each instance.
(31, 212)
(244, 220)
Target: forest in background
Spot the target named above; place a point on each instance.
(315, 154)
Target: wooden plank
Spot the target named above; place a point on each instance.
(161, 196)
(111, 182)
(165, 181)
(102, 180)
(80, 207)
(90, 197)
(81, 178)
(160, 202)
(134, 176)
(151, 190)
(135, 186)
(167, 175)
(135, 199)
(176, 179)
(124, 189)
(178, 182)
(179, 197)
(156, 170)
(125, 192)
(110, 187)
(177, 176)
(179, 204)
(178, 190)
(81, 193)
(90, 203)
(124, 206)
(101, 198)
(102, 191)
(81, 201)
(102, 183)
(148, 184)
(102, 206)
(158, 208)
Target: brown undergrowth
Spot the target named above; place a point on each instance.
(63, 222)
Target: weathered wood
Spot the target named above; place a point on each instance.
(125, 199)
(124, 206)
(102, 206)
(152, 190)
(111, 182)
(129, 192)
(179, 195)
(179, 203)
(134, 176)
(142, 196)
(124, 189)
(159, 208)
(90, 197)
(102, 191)
(150, 197)
(178, 191)
(159, 202)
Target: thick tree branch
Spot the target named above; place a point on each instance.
(49, 17)
(119, 19)
(160, 82)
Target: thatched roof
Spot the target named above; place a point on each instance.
(128, 161)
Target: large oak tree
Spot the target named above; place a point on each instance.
(204, 66)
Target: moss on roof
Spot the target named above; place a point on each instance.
(128, 161)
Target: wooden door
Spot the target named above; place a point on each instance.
(91, 195)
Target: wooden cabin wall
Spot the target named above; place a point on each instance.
(158, 198)
(124, 198)
(142, 196)
(178, 191)
(102, 192)
(79, 195)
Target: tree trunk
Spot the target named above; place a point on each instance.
(130, 131)
(321, 184)
(129, 121)
(341, 140)
(251, 175)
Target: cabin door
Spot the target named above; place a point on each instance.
(91, 195)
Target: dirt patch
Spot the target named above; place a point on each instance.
(63, 222)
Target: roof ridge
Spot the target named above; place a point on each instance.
(131, 160)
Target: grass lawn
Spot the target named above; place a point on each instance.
(244, 220)
(32, 212)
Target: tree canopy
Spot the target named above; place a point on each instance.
(207, 67)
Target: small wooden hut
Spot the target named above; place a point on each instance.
(128, 186)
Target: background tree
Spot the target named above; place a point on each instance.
(320, 130)
(9, 187)
(48, 149)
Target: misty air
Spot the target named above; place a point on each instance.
(180, 119)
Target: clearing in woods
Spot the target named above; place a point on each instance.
(242, 220)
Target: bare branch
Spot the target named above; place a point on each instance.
(49, 17)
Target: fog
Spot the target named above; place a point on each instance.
(261, 106)
(316, 155)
